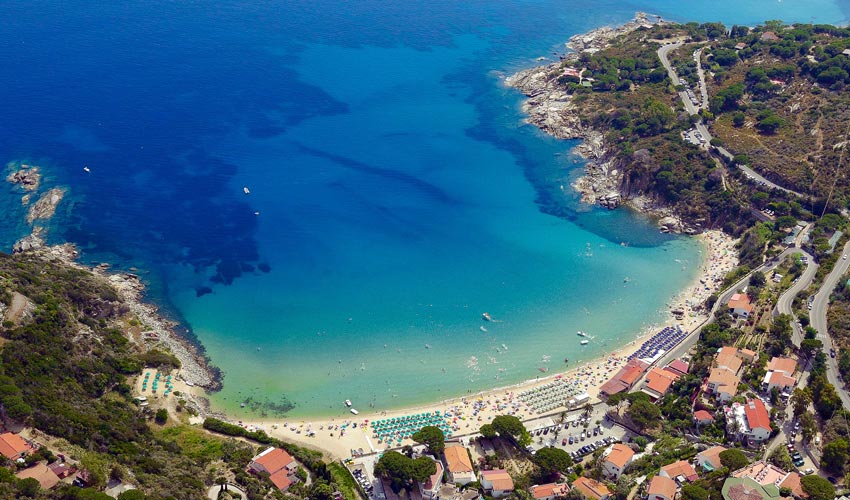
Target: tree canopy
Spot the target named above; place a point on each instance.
(432, 437)
(509, 425)
(733, 459)
(402, 471)
(552, 461)
(817, 487)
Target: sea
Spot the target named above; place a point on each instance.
(328, 195)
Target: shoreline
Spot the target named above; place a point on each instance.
(473, 410)
(552, 110)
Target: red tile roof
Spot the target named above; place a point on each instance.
(702, 416)
(659, 380)
(757, 415)
(740, 301)
(45, 477)
(12, 445)
(591, 488)
(549, 490)
(679, 366)
(786, 365)
(500, 478)
(281, 480)
(661, 485)
(620, 455)
(457, 459)
(273, 459)
(680, 468)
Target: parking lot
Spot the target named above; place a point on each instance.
(573, 437)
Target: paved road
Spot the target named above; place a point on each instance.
(691, 339)
(703, 90)
(818, 319)
(786, 300)
(663, 51)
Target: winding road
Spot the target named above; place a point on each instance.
(818, 319)
(692, 109)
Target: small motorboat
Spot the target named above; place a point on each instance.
(86, 169)
(246, 190)
(354, 412)
(581, 333)
(483, 328)
(584, 342)
(487, 317)
(348, 402)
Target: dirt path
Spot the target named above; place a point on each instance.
(17, 308)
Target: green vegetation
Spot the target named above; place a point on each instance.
(552, 462)
(509, 425)
(404, 472)
(65, 373)
(432, 437)
(817, 487)
(733, 459)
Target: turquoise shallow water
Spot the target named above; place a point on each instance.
(399, 194)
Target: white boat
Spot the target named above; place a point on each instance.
(427, 346)
(581, 333)
(584, 342)
(487, 317)
(347, 402)
(483, 328)
(246, 190)
(354, 412)
(86, 169)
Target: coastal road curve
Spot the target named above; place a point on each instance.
(820, 305)
(663, 52)
(691, 339)
(786, 300)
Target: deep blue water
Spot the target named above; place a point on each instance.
(399, 195)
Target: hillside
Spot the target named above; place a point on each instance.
(70, 349)
(776, 101)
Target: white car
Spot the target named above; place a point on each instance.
(844, 257)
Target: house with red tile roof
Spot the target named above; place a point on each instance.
(497, 482)
(678, 366)
(680, 472)
(459, 464)
(431, 487)
(780, 375)
(709, 459)
(278, 464)
(769, 36)
(549, 491)
(591, 489)
(658, 382)
(13, 447)
(702, 417)
(723, 383)
(661, 488)
(46, 478)
(740, 306)
(749, 422)
(617, 460)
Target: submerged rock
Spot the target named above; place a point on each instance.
(28, 177)
(45, 207)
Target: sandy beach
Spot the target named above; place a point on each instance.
(464, 415)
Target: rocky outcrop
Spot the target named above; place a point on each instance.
(28, 243)
(550, 108)
(28, 177)
(45, 207)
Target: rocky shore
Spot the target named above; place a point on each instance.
(160, 331)
(550, 108)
